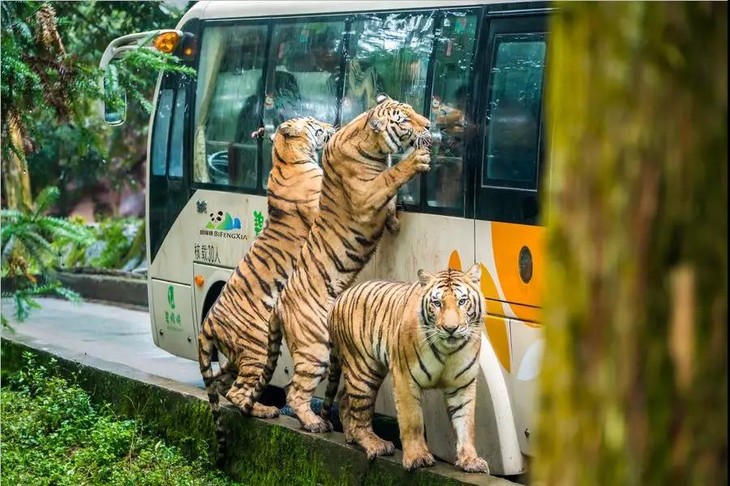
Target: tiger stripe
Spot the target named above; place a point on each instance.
(357, 204)
(237, 323)
(428, 335)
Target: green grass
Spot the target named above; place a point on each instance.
(52, 434)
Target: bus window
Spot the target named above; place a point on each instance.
(452, 73)
(162, 132)
(304, 62)
(227, 105)
(513, 124)
(178, 127)
(389, 54)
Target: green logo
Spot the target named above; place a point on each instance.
(171, 296)
(258, 222)
(172, 319)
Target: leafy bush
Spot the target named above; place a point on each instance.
(27, 237)
(119, 243)
(52, 434)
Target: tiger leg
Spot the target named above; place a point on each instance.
(225, 378)
(273, 351)
(362, 393)
(410, 421)
(205, 348)
(392, 223)
(384, 187)
(460, 405)
(240, 391)
(344, 402)
(333, 383)
(309, 369)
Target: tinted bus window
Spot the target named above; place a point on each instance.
(453, 60)
(227, 105)
(162, 132)
(388, 54)
(513, 125)
(304, 63)
(178, 127)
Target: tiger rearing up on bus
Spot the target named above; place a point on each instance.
(427, 334)
(356, 202)
(238, 322)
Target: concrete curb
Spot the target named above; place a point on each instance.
(107, 288)
(259, 451)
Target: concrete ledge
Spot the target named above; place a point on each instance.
(260, 451)
(107, 288)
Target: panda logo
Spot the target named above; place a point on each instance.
(216, 218)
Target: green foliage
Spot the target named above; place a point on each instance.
(117, 242)
(53, 434)
(27, 237)
(28, 234)
(51, 94)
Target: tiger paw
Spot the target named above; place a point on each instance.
(264, 411)
(419, 160)
(413, 460)
(473, 465)
(392, 224)
(375, 446)
(318, 426)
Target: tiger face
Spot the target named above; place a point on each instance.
(398, 125)
(452, 305)
(317, 131)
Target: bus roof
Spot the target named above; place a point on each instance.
(237, 9)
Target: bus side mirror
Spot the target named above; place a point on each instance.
(115, 98)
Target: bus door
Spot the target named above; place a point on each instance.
(168, 182)
(509, 242)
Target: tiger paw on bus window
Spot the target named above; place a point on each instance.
(357, 190)
(237, 323)
(428, 335)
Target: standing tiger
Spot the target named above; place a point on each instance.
(356, 205)
(427, 334)
(237, 323)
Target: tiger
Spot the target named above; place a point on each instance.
(428, 335)
(237, 323)
(358, 189)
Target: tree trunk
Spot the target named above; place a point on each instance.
(634, 383)
(16, 179)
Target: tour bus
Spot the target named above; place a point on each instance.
(475, 68)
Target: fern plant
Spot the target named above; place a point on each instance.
(27, 251)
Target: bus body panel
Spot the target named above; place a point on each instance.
(173, 318)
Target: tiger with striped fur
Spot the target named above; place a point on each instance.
(237, 323)
(428, 335)
(357, 199)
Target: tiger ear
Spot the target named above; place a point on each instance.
(290, 129)
(376, 124)
(474, 273)
(381, 97)
(424, 277)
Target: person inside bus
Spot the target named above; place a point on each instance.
(279, 105)
(456, 131)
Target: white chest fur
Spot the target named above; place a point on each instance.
(445, 367)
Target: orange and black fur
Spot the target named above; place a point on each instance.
(356, 205)
(237, 323)
(427, 334)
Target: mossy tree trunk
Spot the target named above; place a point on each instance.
(634, 383)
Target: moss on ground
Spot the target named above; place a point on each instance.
(259, 452)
